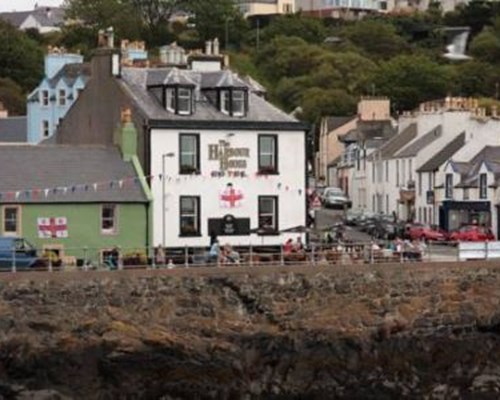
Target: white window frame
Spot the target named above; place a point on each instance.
(114, 229)
(186, 95)
(273, 214)
(170, 99)
(17, 232)
(195, 215)
(225, 105)
(236, 99)
(61, 95)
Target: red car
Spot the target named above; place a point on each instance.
(424, 232)
(472, 233)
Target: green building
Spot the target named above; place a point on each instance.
(77, 201)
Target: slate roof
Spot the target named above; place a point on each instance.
(422, 142)
(444, 154)
(13, 130)
(333, 123)
(135, 82)
(393, 145)
(490, 156)
(367, 130)
(28, 167)
(46, 16)
(70, 73)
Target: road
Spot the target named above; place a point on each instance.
(328, 217)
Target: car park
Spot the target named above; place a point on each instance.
(472, 233)
(334, 197)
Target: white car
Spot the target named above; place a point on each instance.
(334, 197)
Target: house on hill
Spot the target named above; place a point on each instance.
(44, 19)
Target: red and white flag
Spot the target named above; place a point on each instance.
(52, 227)
(231, 197)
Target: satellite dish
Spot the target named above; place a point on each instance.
(456, 49)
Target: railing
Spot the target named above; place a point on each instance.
(85, 258)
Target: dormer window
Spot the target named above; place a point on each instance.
(179, 100)
(233, 102)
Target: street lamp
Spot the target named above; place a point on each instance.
(163, 157)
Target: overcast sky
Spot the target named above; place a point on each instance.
(22, 5)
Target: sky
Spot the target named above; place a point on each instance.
(22, 5)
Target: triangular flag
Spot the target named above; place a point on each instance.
(120, 183)
(17, 195)
(95, 186)
(46, 192)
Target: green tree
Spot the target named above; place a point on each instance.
(411, 79)
(12, 97)
(376, 38)
(311, 30)
(476, 78)
(319, 102)
(486, 46)
(21, 59)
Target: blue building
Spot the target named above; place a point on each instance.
(65, 77)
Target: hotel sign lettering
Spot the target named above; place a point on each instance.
(228, 157)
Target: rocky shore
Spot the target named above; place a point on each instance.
(317, 333)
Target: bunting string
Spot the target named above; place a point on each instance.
(128, 182)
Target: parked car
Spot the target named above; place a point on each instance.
(18, 251)
(428, 233)
(334, 197)
(352, 217)
(472, 233)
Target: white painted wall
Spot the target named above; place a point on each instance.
(292, 202)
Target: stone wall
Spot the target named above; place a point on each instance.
(413, 331)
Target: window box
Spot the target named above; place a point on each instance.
(267, 171)
(188, 170)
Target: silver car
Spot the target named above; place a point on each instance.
(334, 197)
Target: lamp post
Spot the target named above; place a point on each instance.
(163, 157)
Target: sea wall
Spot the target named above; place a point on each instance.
(388, 331)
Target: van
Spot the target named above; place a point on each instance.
(24, 256)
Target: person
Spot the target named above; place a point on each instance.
(214, 253)
(160, 256)
(328, 237)
(213, 238)
(114, 256)
(298, 246)
(230, 255)
(288, 246)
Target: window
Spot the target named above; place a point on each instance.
(387, 204)
(387, 171)
(11, 221)
(109, 223)
(268, 154)
(189, 216)
(62, 97)
(287, 8)
(483, 186)
(373, 171)
(179, 100)
(170, 101)
(449, 186)
(45, 128)
(420, 184)
(403, 167)
(466, 193)
(45, 98)
(189, 154)
(238, 106)
(268, 213)
(410, 170)
(184, 101)
(233, 102)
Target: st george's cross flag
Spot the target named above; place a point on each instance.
(52, 227)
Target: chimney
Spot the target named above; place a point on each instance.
(494, 111)
(110, 36)
(208, 47)
(216, 46)
(128, 135)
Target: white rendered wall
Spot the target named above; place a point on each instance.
(289, 185)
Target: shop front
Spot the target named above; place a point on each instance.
(454, 214)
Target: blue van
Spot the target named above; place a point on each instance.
(25, 254)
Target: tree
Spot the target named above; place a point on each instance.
(317, 102)
(20, 57)
(12, 97)
(411, 79)
(486, 46)
(475, 78)
(310, 30)
(376, 38)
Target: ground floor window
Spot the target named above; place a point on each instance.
(268, 213)
(11, 225)
(189, 216)
(457, 218)
(109, 219)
